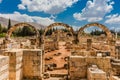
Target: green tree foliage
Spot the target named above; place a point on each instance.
(112, 31)
(41, 31)
(65, 30)
(97, 32)
(118, 33)
(4, 30)
(17, 32)
(9, 24)
(49, 32)
(27, 31)
(0, 28)
(2, 35)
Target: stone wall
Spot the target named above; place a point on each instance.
(15, 63)
(77, 67)
(32, 64)
(4, 68)
(79, 64)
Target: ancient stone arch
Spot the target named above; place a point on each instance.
(103, 27)
(13, 28)
(59, 24)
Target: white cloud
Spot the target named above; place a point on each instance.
(21, 6)
(113, 19)
(95, 10)
(26, 18)
(0, 1)
(47, 6)
(76, 28)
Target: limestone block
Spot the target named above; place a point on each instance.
(96, 74)
(32, 63)
(4, 67)
(15, 63)
(78, 67)
(115, 78)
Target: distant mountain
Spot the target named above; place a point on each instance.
(4, 22)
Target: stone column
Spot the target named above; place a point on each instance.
(112, 47)
(89, 44)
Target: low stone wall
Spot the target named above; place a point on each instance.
(79, 64)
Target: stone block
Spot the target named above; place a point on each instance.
(32, 61)
(15, 63)
(4, 68)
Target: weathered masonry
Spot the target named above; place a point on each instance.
(4, 68)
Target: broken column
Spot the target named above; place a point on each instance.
(117, 51)
(89, 44)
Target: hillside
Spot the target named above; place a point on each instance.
(4, 22)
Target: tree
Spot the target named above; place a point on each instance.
(0, 28)
(27, 31)
(17, 32)
(112, 31)
(65, 30)
(9, 24)
(41, 31)
(97, 32)
(4, 30)
(49, 32)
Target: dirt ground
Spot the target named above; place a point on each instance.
(59, 60)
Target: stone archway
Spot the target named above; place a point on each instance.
(59, 24)
(13, 28)
(69, 28)
(103, 27)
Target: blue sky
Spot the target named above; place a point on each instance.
(73, 12)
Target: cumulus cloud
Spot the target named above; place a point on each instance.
(26, 18)
(47, 6)
(0, 1)
(21, 6)
(95, 10)
(113, 19)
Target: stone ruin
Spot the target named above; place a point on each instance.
(22, 56)
(92, 59)
(100, 53)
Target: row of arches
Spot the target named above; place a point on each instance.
(74, 35)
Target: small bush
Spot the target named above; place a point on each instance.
(2, 35)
